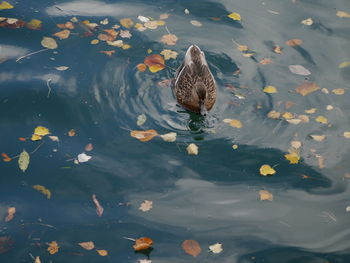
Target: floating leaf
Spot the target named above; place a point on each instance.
(37, 260)
(42, 189)
(102, 252)
(235, 16)
(265, 195)
(267, 170)
(288, 115)
(54, 138)
(108, 52)
(117, 43)
(346, 134)
(343, 14)
(191, 247)
(151, 24)
(126, 46)
(154, 62)
(338, 91)
(318, 138)
(94, 41)
(344, 64)
(89, 245)
(164, 16)
(141, 67)
(99, 208)
(294, 121)
(23, 160)
(143, 19)
(235, 147)
(89, 147)
(168, 54)
(277, 49)
(49, 43)
(67, 25)
(307, 88)
(321, 119)
(265, 61)
(41, 131)
(292, 157)
(6, 157)
(299, 70)
(71, 133)
(142, 243)
(296, 144)
(10, 214)
(146, 206)
(307, 22)
(126, 22)
(169, 137)
(5, 5)
(216, 248)
(125, 34)
(169, 39)
(62, 68)
(104, 21)
(83, 157)
(53, 247)
(192, 149)
(144, 136)
(196, 23)
(270, 89)
(34, 24)
(234, 123)
(274, 114)
(293, 42)
(6, 243)
(311, 111)
(62, 34)
(141, 119)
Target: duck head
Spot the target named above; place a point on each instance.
(195, 57)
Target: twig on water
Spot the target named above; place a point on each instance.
(35, 52)
(167, 30)
(48, 86)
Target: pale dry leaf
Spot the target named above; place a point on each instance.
(216, 248)
(125, 34)
(325, 91)
(296, 144)
(346, 134)
(169, 39)
(186, 11)
(307, 88)
(62, 34)
(102, 252)
(299, 70)
(329, 107)
(23, 160)
(274, 114)
(293, 121)
(143, 19)
(318, 138)
(83, 157)
(192, 149)
(311, 111)
(307, 21)
(146, 206)
(99, 208)
(151, 24)
(89, 245)
(191, 247)
(104, 21)
(10, 214)
(62, 68)
(304, 118)
(196, 23)
(141, 119)
(54, 138)
(343, 14)
(168, 54)
(265, 195)
(37, 260)
(169, 137)
(338, 91)
(49, 43)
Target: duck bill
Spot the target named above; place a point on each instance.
(203, 110)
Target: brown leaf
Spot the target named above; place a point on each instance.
(142, 243)
(67, 25)
(10, 214)
(169, 39)
(126, 22)
(144, 136)
(6, 157)
(191, 247)
(71, 133)
(89, 147)
(307, 88)
(62, 34)
(99, 208)
(89, 245)
(294, 42)
(141, 67)
(53, 247)
(277, 49)
(265, 61)
(102, 252)
(265, 195)
(112, 34)
(154, 62)
(108, 52)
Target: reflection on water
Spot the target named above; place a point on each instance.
(212, 197)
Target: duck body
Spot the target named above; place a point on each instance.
(194, 85)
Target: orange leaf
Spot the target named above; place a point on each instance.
(99, 208)
(102, 252)
(89, 147)
(6, 157)
(108, 53)
(155, 62)
(265, 61)
(112, 34)
(53, 247)
(67, 25)
(141, 67)
(22, 139)
(293, 42)
(191, 247)
(71, 133)
(144, 136)
(62, 34)
(142, 243)
(307, 88)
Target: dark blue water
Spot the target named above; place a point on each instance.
(210, 197)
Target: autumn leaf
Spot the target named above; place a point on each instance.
(318, 138)
(169, 39)
(71, 133)
(89, 147)
(146, 206)
(235, 16)
(343, 14)
(267, 170)
(67, 25)
(89, 245)
(126, 22)
(34, 24)
(344, 64)
(338, 91)
(42, 189)
(144, 136)
(37, 260)
(5, 5)
(307, 88)
(10, 214)
(41, 131)
(102, 252)
(196, 23)
(168, 54)
(277, 49)
(169, 137)
(62, 34)
(112, 34)
(125, 34)
(299, 70)
(99, 208)
(154, 62)
(265, 195)
(125, 46)
(216, 248)
(288, 115)
(234, 123)
(23, 160)
(104, 21)
(191, 247)
(94, 41)
(6, 157)
(108, 52)
(294, 42)
(62, 68)
(192, 149)
(83, 158)
(142, 243)
(346, 134)
(53, 247)
(292, 157)
(151, 24)
(141, 67)
(311, 111)
(270, 89)
(265, 61)
(49, 43)
(321, 119)
(274, 114)
(307, 22)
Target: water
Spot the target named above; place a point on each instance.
(212, 197)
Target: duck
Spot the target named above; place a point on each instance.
(194, 85)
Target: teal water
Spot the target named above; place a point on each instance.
(210, 197)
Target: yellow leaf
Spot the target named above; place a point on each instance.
(37, 260)
(235, 147)
(168, 54)
(149, 51)
(23, 160)
(322, 119)
(236, 123)
(62, 34)
(270, 89)
(192, 149)
(343, 14)
(274, 114)
(265, 195)
(311, 111)
(160, 23)
(34, 24)
(10, 214)
(53, 247)
(155, 68)
(344, 64)
(144, 136)
(243, 47)
(36, 137)
(338, 91)
(102, 252)
(5, 5)
(94, 41)
(235, 16)
(267, 170)
(288, 115)
(43, 190)
(41, 131)
(49, 43)
(292, 157)
(126, 22)
(169, 39)
(347, 134)
(125, 46)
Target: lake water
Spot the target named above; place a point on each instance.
(212, 197)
